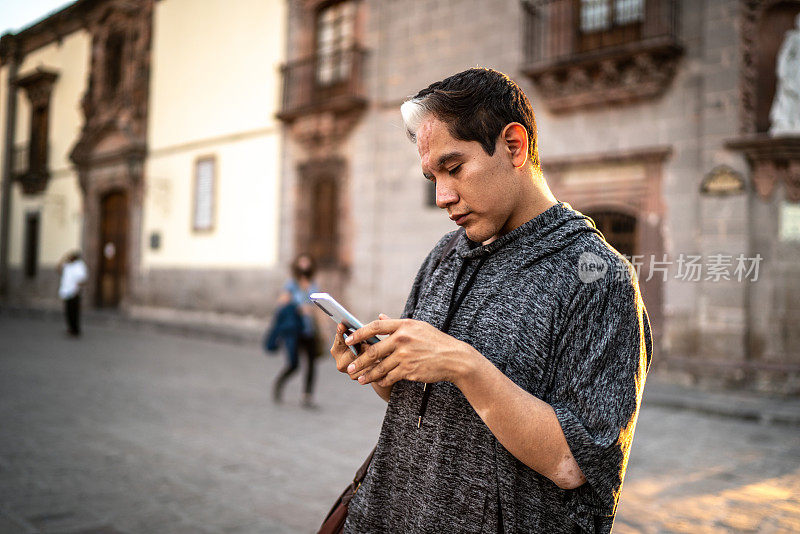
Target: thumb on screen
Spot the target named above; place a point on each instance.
(383, 316)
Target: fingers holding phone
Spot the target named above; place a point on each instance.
(341, 352)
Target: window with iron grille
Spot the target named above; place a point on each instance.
(334, 39)
(605, 23)
(601, 15)
(561, 29)
(585, 53)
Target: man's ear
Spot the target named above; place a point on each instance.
(515, 141)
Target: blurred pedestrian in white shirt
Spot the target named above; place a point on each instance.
(73, 276)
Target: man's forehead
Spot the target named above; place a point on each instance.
(424, 134)
(433, 140)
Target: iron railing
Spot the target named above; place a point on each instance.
(20, 161)
(564, 30)
(332, 79)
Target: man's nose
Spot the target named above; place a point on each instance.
(445, 195)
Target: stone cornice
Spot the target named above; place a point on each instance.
(38, 86)
(773, 160)
(638, 71)
(51, 29)
(656, 154)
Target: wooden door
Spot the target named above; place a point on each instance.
(324, 241)
(113, 247)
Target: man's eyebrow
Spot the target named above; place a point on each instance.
(444, 158)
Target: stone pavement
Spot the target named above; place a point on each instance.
(129, 430)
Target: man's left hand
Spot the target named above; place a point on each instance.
(413, 350)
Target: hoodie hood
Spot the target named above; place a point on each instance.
(547, 233)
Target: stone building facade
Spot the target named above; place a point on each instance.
(131, 134)
(651, 120)
(192, 149)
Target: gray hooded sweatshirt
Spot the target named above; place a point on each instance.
(559, 312)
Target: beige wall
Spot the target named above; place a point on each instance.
(214, 92)
(61, 203)
(245, 212)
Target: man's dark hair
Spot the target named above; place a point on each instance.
(476, 105)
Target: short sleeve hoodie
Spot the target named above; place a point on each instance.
(557, 310)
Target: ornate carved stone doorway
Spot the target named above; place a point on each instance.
(111, 150)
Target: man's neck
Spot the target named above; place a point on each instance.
(536, 198)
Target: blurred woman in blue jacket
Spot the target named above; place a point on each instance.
(295, 296)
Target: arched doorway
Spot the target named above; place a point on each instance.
(619, 229)
(112, 260)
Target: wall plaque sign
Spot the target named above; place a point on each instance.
(721, 181)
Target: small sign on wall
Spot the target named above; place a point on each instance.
(722, 181)
(155, 240)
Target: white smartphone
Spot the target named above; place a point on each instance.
(339, 313)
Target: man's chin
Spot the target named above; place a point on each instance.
(477, 236)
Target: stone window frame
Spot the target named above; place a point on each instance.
(38, 87)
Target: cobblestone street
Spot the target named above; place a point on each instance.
(131, 431)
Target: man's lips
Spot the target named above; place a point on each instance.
(459, 218)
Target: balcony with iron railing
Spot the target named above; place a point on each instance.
(331, 81)
(583, 53)
(30, 170)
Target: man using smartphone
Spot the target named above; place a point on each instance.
(515, 376)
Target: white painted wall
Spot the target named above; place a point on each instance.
(214, 91)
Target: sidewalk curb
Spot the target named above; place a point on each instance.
(735, 404)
